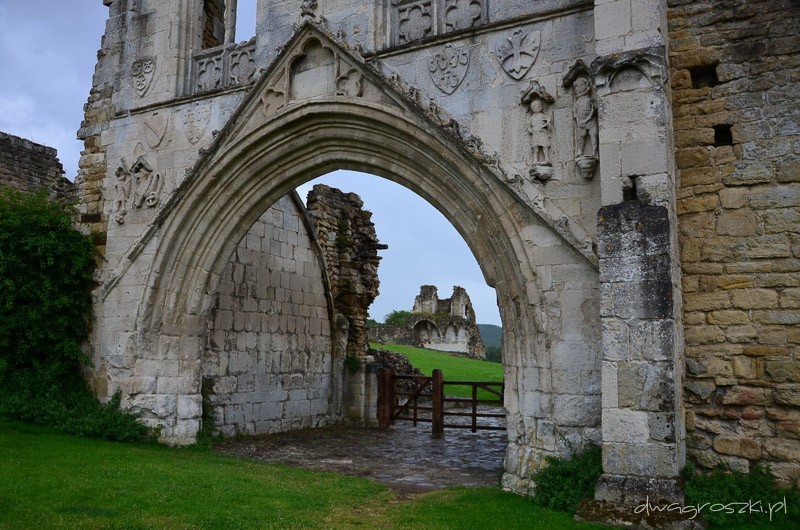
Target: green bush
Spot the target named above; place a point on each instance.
(729, 491)
(46, 270)
(45, 280)
(562, 484)
(397, 318)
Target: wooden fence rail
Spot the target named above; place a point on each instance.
(422, 399)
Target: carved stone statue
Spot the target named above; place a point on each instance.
(585, 112)
(540, 127)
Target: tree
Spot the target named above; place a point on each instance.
(397, 318)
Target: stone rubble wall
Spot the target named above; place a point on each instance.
(392, 335)
(735, 78)
(29, 166)
(347, 236)
(267, 363)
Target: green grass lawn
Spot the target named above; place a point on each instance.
(49, 480)
(453, 367)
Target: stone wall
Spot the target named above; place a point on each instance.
(735, 78)
(350, 246)
(29, 166)
(267, 363)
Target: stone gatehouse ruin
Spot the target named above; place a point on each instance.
(437, 324)
(626, 173)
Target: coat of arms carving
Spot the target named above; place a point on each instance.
(143, 72)
(518, 52)
(449, 67)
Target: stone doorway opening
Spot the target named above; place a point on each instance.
(273, 361)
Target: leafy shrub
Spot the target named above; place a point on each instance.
(397, 318)
(562, 484)
(46, 272)
(45, 280)
(727, 488)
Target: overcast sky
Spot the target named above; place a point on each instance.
(49, 52)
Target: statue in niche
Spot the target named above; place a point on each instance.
(540, 127)
(584, 111)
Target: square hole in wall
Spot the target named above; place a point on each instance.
(722, 135)
(704, 76)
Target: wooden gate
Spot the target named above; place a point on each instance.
(421, 399)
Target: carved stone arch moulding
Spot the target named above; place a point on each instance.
(630, 71)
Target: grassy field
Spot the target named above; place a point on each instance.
(454, 367)
(49, 480)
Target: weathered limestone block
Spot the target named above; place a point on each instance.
(643, 421)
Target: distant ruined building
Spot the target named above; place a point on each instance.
(437, 324)
(28, 166)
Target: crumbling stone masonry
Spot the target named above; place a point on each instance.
(735, 76)
(28, 166)
(625, 173)
(437, 324)
(350, 247)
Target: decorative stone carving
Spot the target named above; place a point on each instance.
(631, 70)
(209, 73)
(195, 122)
(143, 73)
(242, 66)
(540, 127)
(308, 8)
(154, 128)
(584, 112)
(449, 67)
(148, 185)
(122, 189)
(137, 185)
(415, 21)
(272, 100)
(350, 84)
(224, 67)
(308, 11)
(462, 14)
(517, 53)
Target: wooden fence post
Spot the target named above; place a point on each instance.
(438, 405)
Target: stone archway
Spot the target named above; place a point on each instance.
(277, 140)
